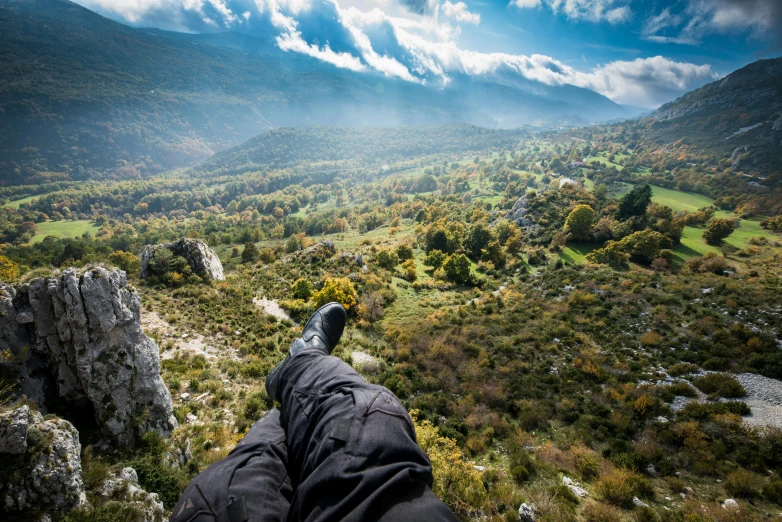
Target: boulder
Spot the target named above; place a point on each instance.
(202, 260)
(47, 475)
(575, 487)
(85, 354)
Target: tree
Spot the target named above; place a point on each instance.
(435, 259)
(9, 270)
(645, 244)
(126, 261)
(302, 289)
(579, 223)
(457, 268)
(635, 202)
(387, 259)
(611, 254)
(718, 229)
(493, 252)
(404, 252)
(250, 252)
(339, 289)
(477, 240)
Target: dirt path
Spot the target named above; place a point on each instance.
(272, 307)
(184, 341)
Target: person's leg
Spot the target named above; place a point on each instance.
(250, 484)
(352, 449)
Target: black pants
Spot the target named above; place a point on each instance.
(338, 449)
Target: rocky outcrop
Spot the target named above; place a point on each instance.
(202, 260)
(123, 486)
(46, 474)
(81, 352)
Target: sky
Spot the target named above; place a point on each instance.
(636, 52)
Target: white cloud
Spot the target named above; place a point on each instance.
(459, 12)
(525, 4)
(422, 48)
(588, 10)
(759, 18)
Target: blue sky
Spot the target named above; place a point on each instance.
(635, 52)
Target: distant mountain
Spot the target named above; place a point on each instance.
(290, 146)
(82, 96)
(737, 118)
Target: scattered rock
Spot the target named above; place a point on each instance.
(191, 419)
(574, 487)
(185, 396)
(365, 363)
(85, 346)
(47, 475)
(527, 512)
(637, 502)
(730, 504)
(202, 259)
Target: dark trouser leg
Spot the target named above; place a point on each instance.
(352, 448)
(250, 484)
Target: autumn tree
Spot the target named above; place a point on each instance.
(718, 229)
(126, 261)
(9, 270)
(435, 259)
(579, 223)
(409, 270)
(339, 289)
(477, 240)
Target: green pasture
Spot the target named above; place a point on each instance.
(64, 229)
(16, 203)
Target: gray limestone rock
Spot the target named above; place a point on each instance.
(85, 346)
(202, 260)
(13, 430)
(47, 476)
(123, 486)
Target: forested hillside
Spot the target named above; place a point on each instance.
(738, 119)
(83, 97)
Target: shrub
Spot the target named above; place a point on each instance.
(587, 462)
(720, 385)
(340, 290)
(599, 512)
(709, 263)
(155, 475)
(579, 223)
(619, 486)
(409, 270)
(456, 482)
(682, 369)
(404, 252)
(126, 261)
(435, 259)
(743, 484)
(302, 289)
(249, 253)
(773, 491)
(387, 259)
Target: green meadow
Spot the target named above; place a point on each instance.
(64, 229)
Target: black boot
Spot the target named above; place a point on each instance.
(321, 332)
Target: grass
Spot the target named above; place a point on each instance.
(692, 245)
(748, 228)
(16, 203)
(679, 201)
(575, 253)
(604, 161)
(64, 229)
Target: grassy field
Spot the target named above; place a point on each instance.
(575, 253)
(604, 161)
(680, 201)
(64, 229)
(15, 204)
